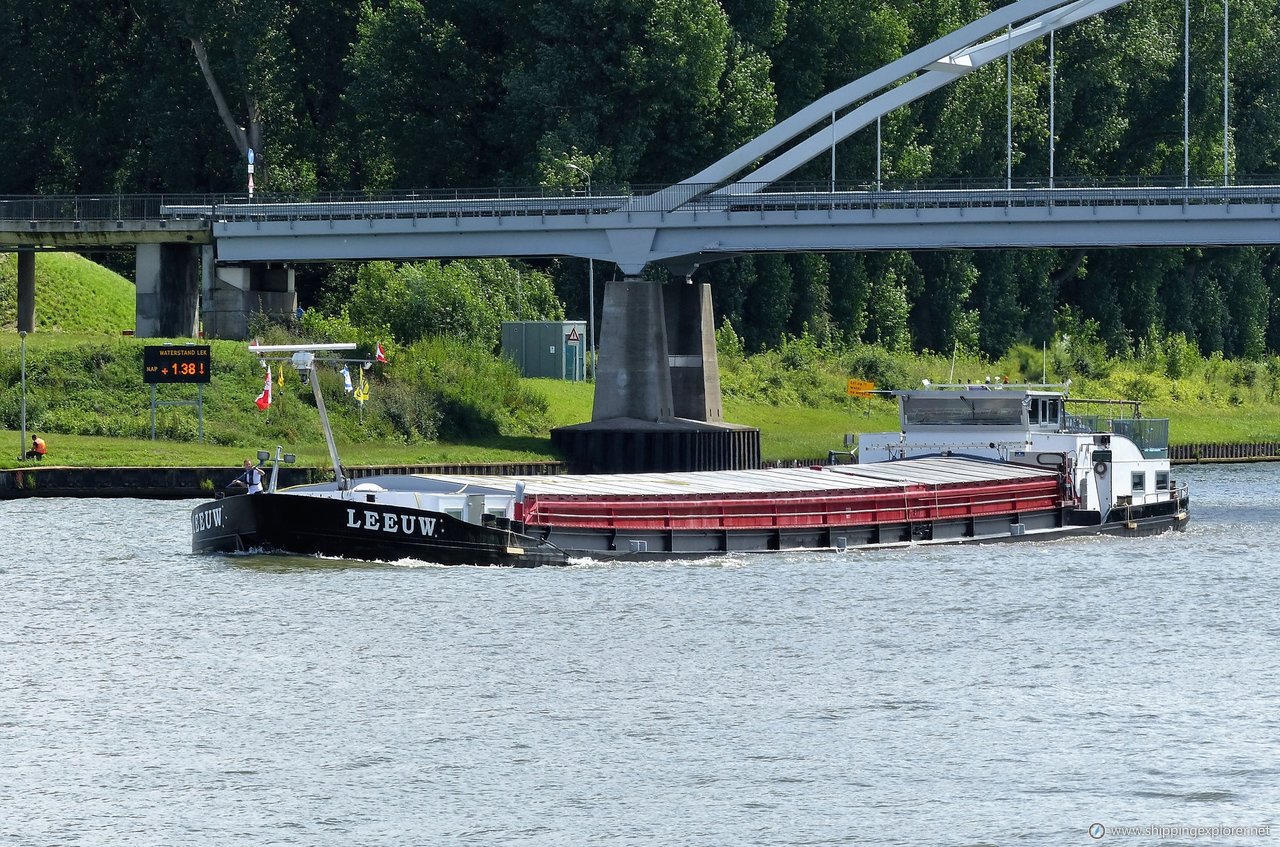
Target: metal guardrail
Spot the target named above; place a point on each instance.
(1150, 435)
(108, 207)
(740, 197)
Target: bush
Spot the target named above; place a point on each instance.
(730, 348)
(1181, 357)
(1078, 348)
(411, 413)
(877, 365)
(1140, 387)
(466, 300)
(476, 395)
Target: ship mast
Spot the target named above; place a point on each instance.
(303, 359)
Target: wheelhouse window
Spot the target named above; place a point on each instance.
(1044, 410)
(961, 410)
(1139, 482)
(1162, 480)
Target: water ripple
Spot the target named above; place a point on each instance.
(970, 695)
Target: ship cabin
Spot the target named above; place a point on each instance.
(1114, 458)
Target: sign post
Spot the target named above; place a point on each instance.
(250, 156)
(183, 364)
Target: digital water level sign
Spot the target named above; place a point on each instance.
(175, 363)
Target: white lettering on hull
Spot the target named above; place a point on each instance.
(391, 523)
(207, 520)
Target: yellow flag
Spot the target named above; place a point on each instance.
(362, 390)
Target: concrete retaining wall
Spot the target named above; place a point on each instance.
(155, 483)
(180, 483)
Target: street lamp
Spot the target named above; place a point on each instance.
(22, 358)
(591, 286)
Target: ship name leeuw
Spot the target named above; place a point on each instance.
(210, 519)
(389, 522)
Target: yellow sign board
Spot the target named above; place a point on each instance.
(861, 388)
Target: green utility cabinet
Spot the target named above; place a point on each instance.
(555, 349)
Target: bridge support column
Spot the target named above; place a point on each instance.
(26, 291)
(657, 400)
(691, 346)
(233, 293)
(167, 279)
(633, 379)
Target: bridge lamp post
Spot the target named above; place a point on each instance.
(591, 286)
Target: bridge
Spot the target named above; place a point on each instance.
(634, 230)
(635, 227)
(657, 357)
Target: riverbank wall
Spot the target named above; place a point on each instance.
(205, 482)
(197, 482)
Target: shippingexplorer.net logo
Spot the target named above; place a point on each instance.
(1098, 831)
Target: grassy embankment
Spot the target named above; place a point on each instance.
(72, 295)
(86, 396)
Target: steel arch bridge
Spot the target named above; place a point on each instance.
(735, 206)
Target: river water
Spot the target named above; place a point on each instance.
(980, 695)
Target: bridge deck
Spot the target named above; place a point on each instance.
(703, 220)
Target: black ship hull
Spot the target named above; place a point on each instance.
(350, 529)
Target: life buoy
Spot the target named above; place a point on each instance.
(1100, 468)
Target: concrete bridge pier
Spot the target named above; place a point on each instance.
(657, 400)
(167, 277)
(26, 291)
(691, 345)
(633, 377)
(233, 293)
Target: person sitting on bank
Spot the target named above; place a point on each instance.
(250, 479)
(38, 448)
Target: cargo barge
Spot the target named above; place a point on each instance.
(969, 464)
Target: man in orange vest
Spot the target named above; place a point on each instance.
(38, 448)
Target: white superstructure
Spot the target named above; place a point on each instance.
(1110, 462)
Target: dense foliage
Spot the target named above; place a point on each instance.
(436, 389)
(339, 95)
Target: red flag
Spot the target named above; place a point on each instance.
(264, 399)
(380, 356)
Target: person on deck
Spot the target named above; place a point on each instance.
(38, 448)
(250, 479)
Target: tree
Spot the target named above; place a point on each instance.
(467, 300)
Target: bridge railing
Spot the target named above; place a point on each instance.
(423, 204)
(740, 197)
(102, 207)
(979, 194)
(745, 197)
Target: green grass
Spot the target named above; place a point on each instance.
(568, 403)
(87, 399)
(73, 295)
(788, 433)
(104, 451)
